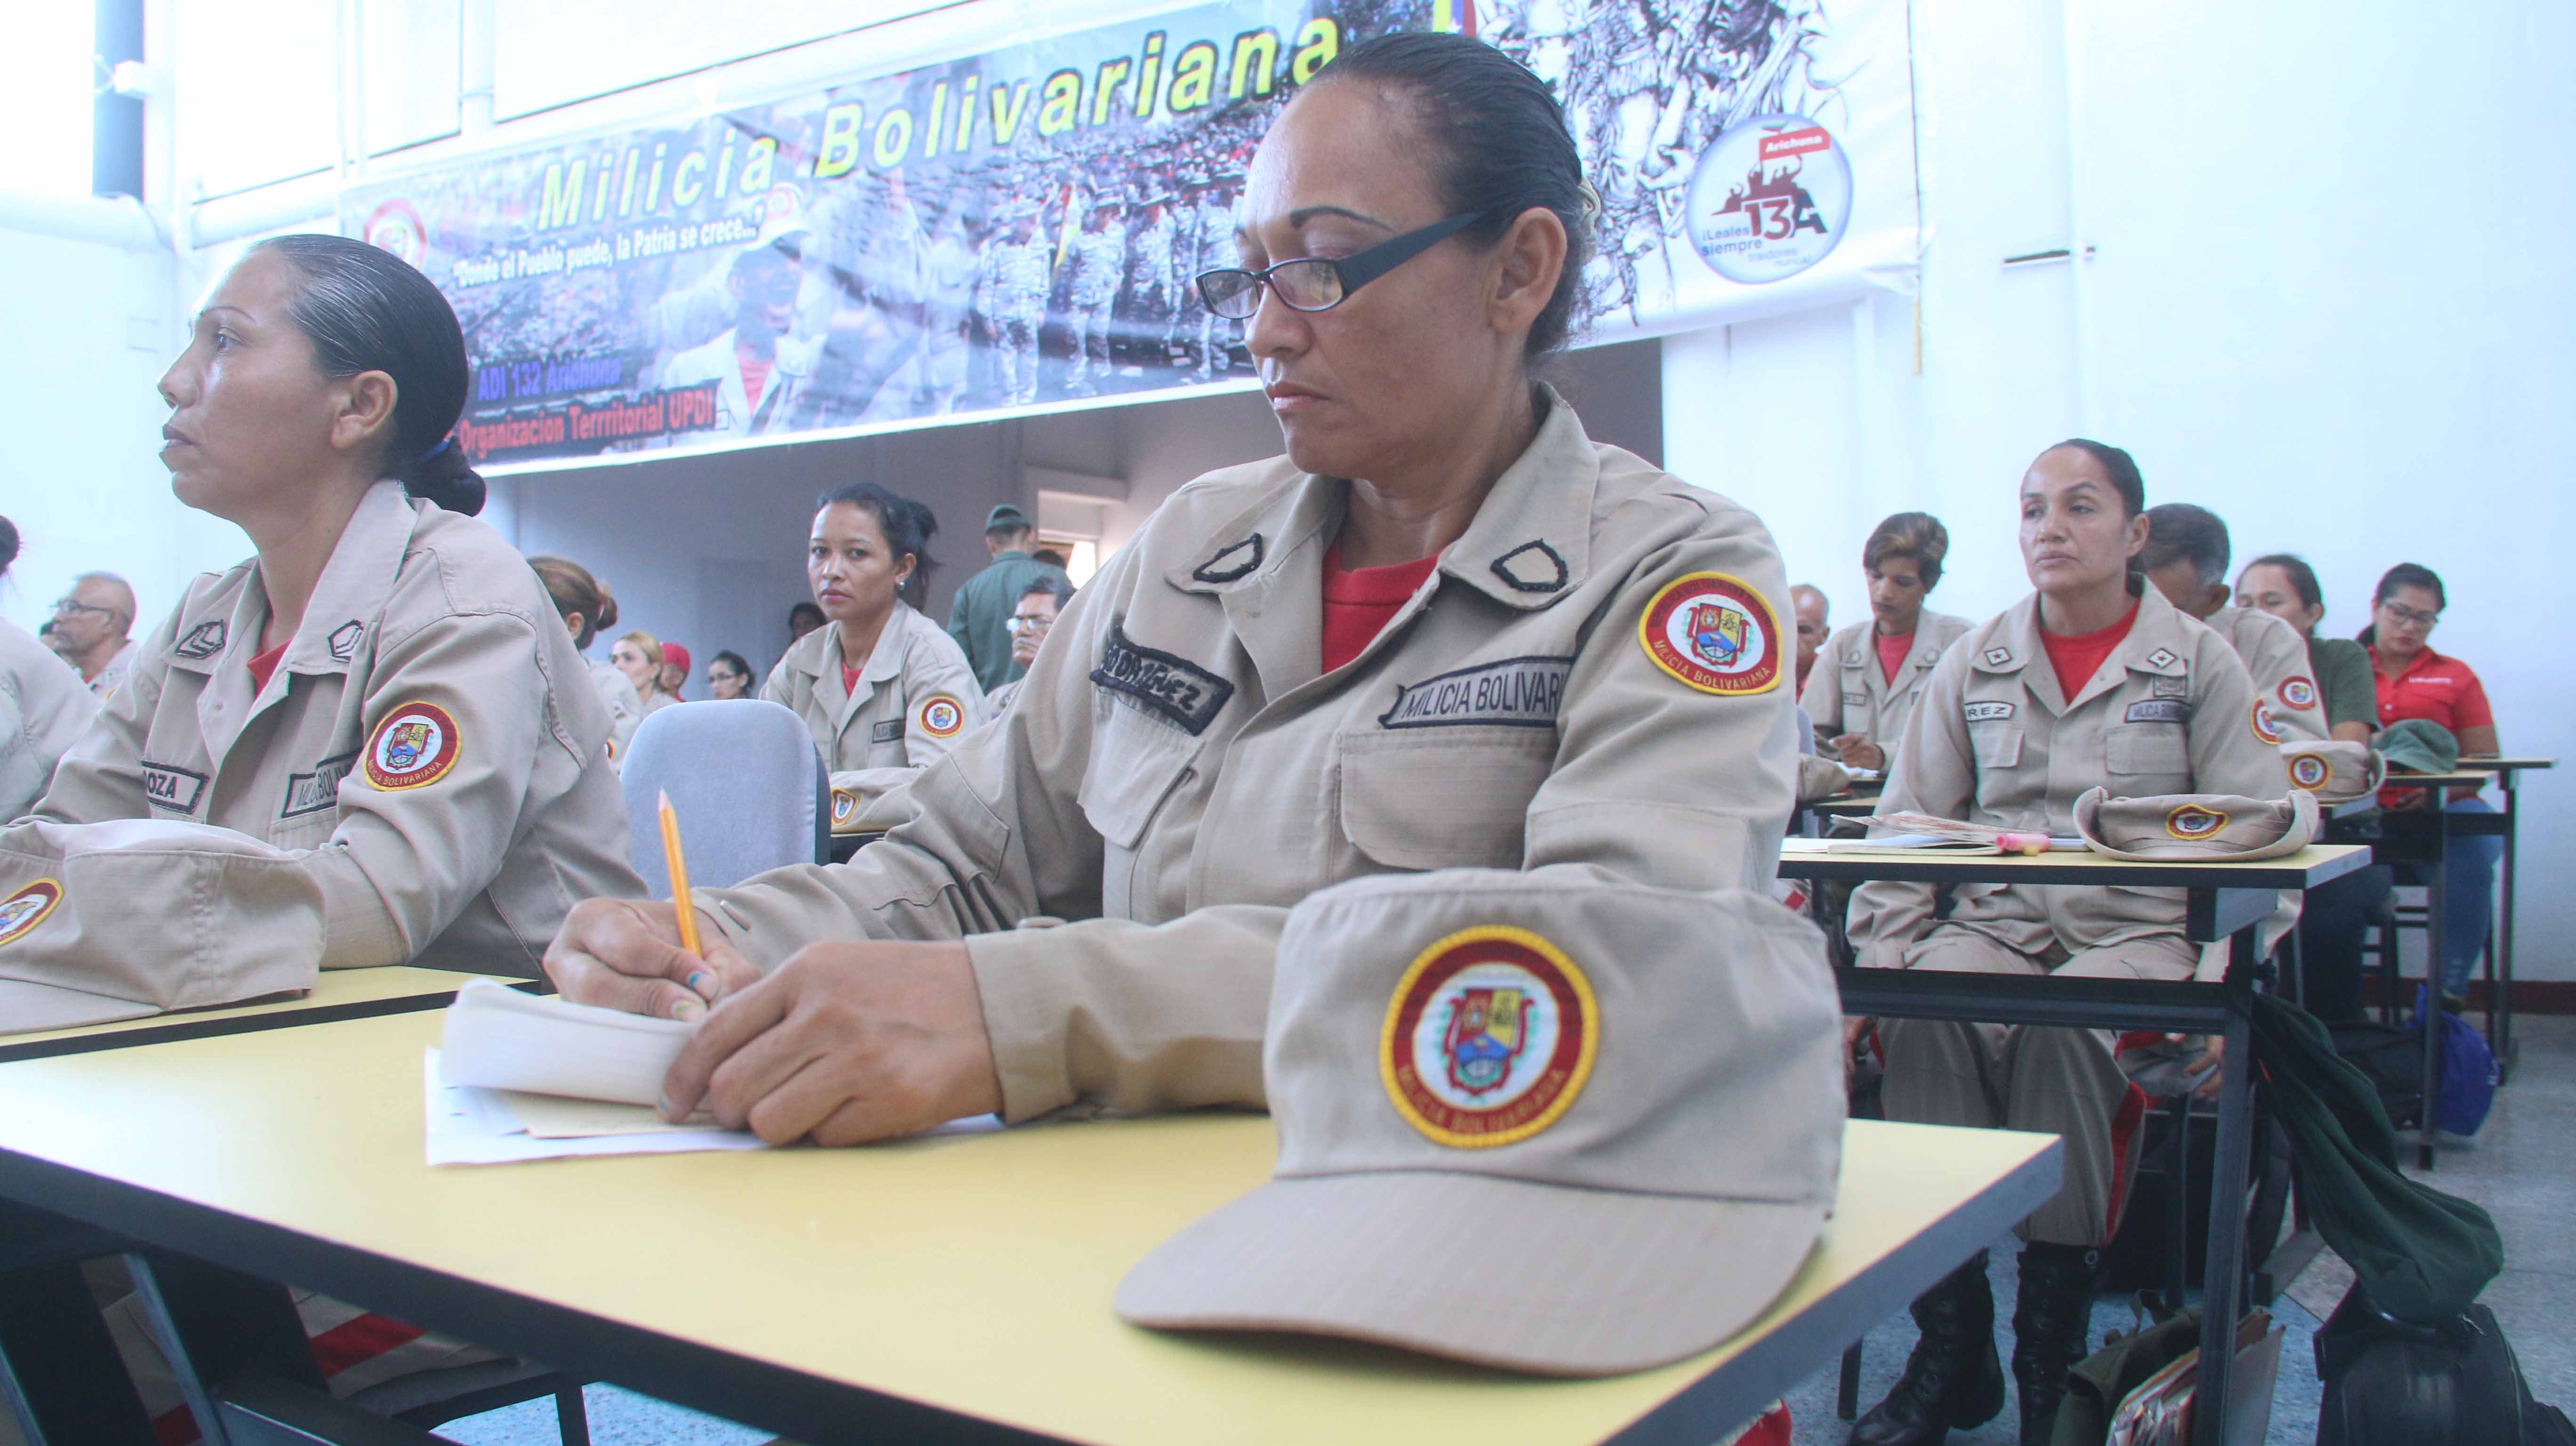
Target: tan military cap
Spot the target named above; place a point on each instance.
(1551, 1125)
(102, 921)
(2334, 771)
(2196, 825)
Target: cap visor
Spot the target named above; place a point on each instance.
(1527, 1277)
(25, 1007)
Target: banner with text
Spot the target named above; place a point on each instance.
(1023, 227)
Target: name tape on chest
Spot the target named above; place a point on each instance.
(943, 716)
(413, 748)
(25, 909)
(1714, 633)
(313, 792)
(1514, 693)
(176, 789)
(2160, 710)
(1855, 699)
(1178, 689)
(889, 731)
(1987, 712)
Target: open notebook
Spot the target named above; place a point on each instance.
(498, 1038)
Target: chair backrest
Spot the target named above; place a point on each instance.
(744, 778)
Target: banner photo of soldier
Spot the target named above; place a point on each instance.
(1023, 228)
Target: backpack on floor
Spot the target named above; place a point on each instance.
(2389, 1383)
(2468, 1071)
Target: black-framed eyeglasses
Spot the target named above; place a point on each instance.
(65, 607)
(1319, 283)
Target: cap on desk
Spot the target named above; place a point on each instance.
(1526, 1123)
(2419, 745)
(102, 921)
(2195, 825)
(2334, 770)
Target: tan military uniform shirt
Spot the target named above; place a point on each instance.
(2277, 657)
(43, 708)
(625, 706)
(1593, 683)
(1995, 740)
(1848, 693)
(430, 744)
(917, 698)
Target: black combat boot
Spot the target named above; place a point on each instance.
(1954, 1380)
(2051, 1321)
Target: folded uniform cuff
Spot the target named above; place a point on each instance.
(1022, 976)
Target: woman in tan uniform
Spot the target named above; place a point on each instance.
(884, 690)
(1863, 690)
(1447, 630)
(588, 608)
(2094, 679)
(637, 656)
(381, 708)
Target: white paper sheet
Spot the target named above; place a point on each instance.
(469, 1125)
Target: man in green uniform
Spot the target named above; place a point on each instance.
(980, 617)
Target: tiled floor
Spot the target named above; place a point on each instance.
(2521, 1168)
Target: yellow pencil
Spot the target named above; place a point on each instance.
(679, 868)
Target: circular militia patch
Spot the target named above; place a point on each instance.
(2298, 693)
(2309, 771)
(2193, 822)
(27, 908)
(2264, 727)
(1713, 632)
(413, 748)
(1489, 1038)
(942, 716)
(845, 805)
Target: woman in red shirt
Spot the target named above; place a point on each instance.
(2417, 682)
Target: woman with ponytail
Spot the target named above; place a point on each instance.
(371, 743)
(588, 610)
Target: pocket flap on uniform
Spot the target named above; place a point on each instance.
(1998, 745)
(1442, 798)
(1136, 759)
(2146, 748)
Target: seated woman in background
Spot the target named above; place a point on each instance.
(2186, 558)
(2283, 585)
(1866, 677)
(587, 610)
(674, 675)
(885, 691)
(729, 676)
(2416, 682)
(381, 712)
(638, 655)
(43, 705)
(2094, 679)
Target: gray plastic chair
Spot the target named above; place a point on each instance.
(746, 781)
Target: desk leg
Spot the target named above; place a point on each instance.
(2500, 1008)
(2437, 903)
(2222, 1276)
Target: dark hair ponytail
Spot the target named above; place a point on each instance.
(907, 525)
(8, 543)
(2404, 574)
(367, 310)
(2303, 578)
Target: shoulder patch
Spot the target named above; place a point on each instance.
(942, 716)
(1182, 691)
(320, 789)
(889, 731)
(1987, 712)
(343, 641)
(2163, 658)
(1714, 633)
(413, 748)
(845, 806)
(176, 789)
(27, 908)
(1232, 561)
(202, 642)
(1516, 693)
(1532, 567)
(1998, 657)
(2160, 710)
(2298, 694)
(2264, 727)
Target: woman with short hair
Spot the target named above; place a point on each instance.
(1868, 674)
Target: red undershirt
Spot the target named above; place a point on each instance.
(849, 680)
(2079, 656)
(1358, 602)
(755, 376)
(262, 666)
(1891, 653)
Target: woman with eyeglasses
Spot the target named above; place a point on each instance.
(2417, 682)
(1446, 630)
(43, 705)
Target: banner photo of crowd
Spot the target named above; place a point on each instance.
(1022, 229)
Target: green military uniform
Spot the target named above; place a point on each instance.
(977, 618)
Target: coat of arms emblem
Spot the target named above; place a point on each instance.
(1487, 1028)
(1716, 633)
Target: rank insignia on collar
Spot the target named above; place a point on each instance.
(343, 641)
(1714, 633)
(1489, 1038)
(2163, 658)
(202, 642)
(27, 908)
(1997, 657)
(1532, 567)
(1233, 561)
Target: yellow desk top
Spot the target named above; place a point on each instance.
(973, 1273)
(334, 988)
(2319, 862)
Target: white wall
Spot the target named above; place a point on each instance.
(2328, 301)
